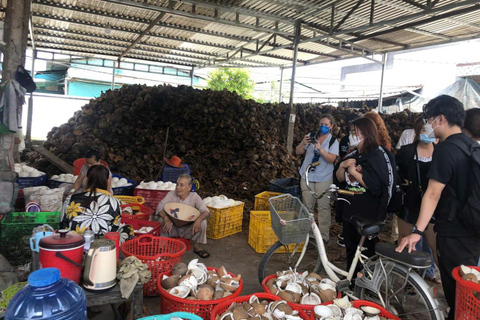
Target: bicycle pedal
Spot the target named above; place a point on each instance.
(343, 285)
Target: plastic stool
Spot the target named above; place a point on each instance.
(186, 241)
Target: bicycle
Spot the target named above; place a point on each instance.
(388, 278)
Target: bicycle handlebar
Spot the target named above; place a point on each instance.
(346, 192)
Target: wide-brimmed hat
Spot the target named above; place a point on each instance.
(181, 214)
(175, 161)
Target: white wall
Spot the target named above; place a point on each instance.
(50, 111)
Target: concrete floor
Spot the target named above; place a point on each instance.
(238, 257)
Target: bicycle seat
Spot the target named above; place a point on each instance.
(366, 227)
(418, 259)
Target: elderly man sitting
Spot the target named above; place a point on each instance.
(196, 231)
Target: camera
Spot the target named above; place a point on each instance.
(313, 137)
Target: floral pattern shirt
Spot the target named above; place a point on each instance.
(99, 213)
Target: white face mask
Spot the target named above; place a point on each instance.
(354, 140)
(429, 130)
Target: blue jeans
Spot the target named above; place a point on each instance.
(422, 245)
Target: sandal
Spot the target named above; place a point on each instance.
(434, 280)
(202, 253)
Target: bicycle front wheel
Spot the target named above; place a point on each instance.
(407, 301)
(279, 258)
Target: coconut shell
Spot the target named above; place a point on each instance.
(327, 295)
(304, 288)
(205, 293)
(287, 296)
(463, 270)
(297, 297)
(222, 272)
(259, 308)
(229, 317)
(184, 278)
(470, 277)
(285, 308)
(170, 282)
(314, 275)
(228, 287)
(180, 268)
(212, 282)
(240, 313)
(218, 294)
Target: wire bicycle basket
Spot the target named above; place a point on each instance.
(291, 220)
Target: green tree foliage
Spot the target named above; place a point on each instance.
(232, 79)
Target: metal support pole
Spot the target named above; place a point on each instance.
(281, 84)
(291, 119)
(380, 97)
(113, 74)
(192, 75)
(28, 135)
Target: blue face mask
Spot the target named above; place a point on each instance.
(324, 130)
(424, 138)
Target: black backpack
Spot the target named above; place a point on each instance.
(395, 192)
(23, 77)
(469, 212)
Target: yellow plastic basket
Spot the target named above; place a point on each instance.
(261, 200)
(225, 222)
(261, 235)
(130, 199)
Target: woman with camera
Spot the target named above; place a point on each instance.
(319, 146)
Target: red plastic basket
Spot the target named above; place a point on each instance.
(221, 308)
(78, 164)
(152, 197)
(364, 303)
(467, 306)
(137, 224)
(308, 309)
(160, 254)
(170, 303)
(136, 206)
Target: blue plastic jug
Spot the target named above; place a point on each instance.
(48, 296)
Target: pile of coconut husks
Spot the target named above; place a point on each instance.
(233, 146)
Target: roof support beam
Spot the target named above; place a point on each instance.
(421, 22)
(142, 34)
(102, 37)
(100, 41)
(354, 8)
(241, 11)
(202, 43)
(399, 19)
(214, 19)
(414, 3)
(116, 16)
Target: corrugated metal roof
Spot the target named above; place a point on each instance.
(204, 33)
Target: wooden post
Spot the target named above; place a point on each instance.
(292, 115)
(15, 37)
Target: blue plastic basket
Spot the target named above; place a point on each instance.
(125, 190)
(183, 315)
(32, 181)
(55, 183)
(171, 173)
(287, 185)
